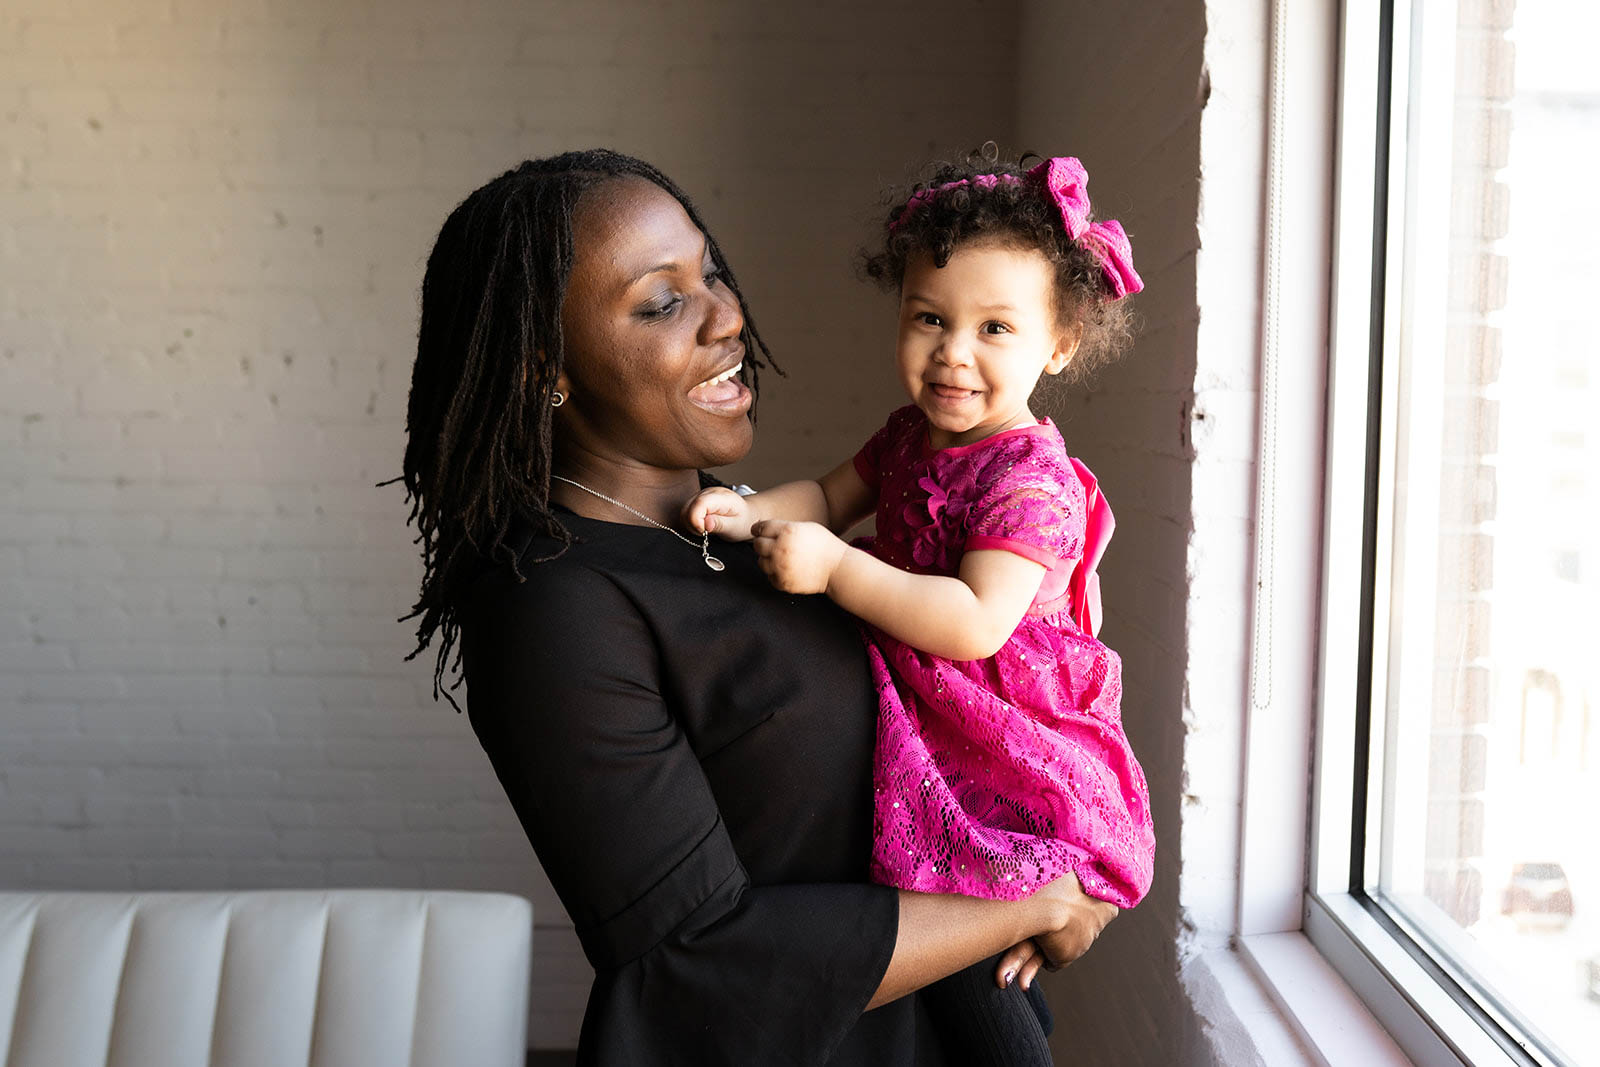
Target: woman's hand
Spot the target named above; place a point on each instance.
(719, 511)
(1082, 919)
(1019, 964)
(798, 557)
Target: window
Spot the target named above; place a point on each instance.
(1461, 655)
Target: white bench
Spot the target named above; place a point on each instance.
(273, 978)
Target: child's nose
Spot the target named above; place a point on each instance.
(952, 353)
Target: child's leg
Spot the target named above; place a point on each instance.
(986, 1026)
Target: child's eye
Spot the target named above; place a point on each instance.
(928, 318)
(996, 327)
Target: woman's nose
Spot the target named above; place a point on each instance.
(724, 319)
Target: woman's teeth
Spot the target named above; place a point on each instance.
(719, 379)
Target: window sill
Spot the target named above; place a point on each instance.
(1286, 1006)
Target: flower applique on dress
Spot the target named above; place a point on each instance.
(996, 776)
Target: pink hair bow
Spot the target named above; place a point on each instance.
(1067, 183)
(1111, 247)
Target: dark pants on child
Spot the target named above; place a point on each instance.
(986, 1026)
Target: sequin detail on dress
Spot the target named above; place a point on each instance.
(996, 776)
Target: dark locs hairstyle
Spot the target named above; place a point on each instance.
(1014, 214)
(489, 350)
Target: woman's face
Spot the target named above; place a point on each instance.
(650, 334)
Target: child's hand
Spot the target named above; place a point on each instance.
(719, 511)
(798, 557)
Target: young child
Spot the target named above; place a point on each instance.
(1001, 761)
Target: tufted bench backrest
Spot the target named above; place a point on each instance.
(272, 978)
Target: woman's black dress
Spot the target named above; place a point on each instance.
(690, 755)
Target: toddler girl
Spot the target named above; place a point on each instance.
(1001, 761)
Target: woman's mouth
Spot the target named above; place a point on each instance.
(722, 393)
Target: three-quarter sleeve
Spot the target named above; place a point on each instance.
(693, 963)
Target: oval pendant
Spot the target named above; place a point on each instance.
(713, 562)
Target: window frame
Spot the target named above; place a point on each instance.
(1428, 1006)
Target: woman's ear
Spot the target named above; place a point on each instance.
(563, 386)
(1066, 348)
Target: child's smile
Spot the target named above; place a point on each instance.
(974, 337)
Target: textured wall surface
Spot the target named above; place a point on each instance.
(1166, 112)
(1132, 114)
(213, 220)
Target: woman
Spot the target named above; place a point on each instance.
(688, 750)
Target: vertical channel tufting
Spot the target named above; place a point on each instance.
(69, 985)
(269, 979)
(477, 950)
(130, 910)
(169, 985)
(317, 1016)
(217, 1018)
(19, 917)
(368, 997)
(316, 988)
(418, 1008)
(318, 1020)
(277, 978)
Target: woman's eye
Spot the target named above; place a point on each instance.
(713, 276)
(662, 309)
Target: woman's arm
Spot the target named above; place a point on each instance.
(939, 934)
(966, 617)
(618, 808)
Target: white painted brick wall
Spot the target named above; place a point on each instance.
(213, 221)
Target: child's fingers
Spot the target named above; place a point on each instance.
(1012, 962)
(767, 529)
(701, 511)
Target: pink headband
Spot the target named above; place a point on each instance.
(1065, 181)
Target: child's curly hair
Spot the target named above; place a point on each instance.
(1018, 215)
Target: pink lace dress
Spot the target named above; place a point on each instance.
(996, 776)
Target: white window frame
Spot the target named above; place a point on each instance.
(1313, 940)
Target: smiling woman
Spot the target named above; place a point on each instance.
(661, 331)
(689, 750)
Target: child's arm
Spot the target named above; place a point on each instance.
(962, 618)
(837, 500)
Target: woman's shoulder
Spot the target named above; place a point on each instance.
(532, 576)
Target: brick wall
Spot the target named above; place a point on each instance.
(1129, 104)
(213, 220)
(1480, 204)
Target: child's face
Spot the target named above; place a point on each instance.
(974, 337)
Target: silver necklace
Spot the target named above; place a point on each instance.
(705, 539)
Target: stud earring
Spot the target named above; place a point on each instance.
(557, 399)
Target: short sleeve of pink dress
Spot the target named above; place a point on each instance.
(996, 776)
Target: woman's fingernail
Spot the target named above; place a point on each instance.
(1011, 976)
